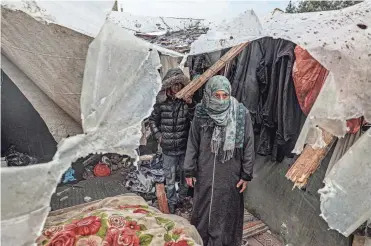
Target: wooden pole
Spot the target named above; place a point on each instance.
(358, 241)
(196, 84)
(161, 198)
(309, 161)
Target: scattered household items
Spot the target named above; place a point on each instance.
(63, 191)
(96, 165)
(15, 158)
(142, 180)
(69, 176)
(119, 220)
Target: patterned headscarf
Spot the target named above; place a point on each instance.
(228, 116)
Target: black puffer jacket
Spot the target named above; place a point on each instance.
(171, 120)
(171, 117)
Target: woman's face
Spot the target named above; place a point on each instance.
(221, 95)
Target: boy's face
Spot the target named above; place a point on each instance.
(175, 88)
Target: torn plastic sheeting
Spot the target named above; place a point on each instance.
(246, 27)
(339, 42)
(119, 69)
(345, 199)
(81, 16)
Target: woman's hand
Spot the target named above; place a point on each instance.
(243, 184)
(190, 181)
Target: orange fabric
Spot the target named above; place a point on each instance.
(309, 76)
(354, 125)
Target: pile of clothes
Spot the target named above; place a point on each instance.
(15, 158)
(143, 179)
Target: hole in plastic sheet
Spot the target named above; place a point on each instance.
(362, 26)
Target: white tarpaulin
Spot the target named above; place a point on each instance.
(340, 40)
(245, 27)
(88, 21)
(345, 200)
(120, 84)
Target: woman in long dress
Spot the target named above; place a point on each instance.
(219, 163)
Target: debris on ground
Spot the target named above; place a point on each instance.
(63, 191)
(96, 165)
(15, 158)
(87, 199)
(63, 198)
(143, 179)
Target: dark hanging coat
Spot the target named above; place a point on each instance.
(261, 79)
(218, 206)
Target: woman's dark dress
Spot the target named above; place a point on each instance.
(216, 184)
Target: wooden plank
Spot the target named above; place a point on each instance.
(161, 197)
(309, 161)
(196, 84)
(358, 241)
(267, 239)
(253, 242)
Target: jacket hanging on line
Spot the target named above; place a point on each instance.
(261, 78)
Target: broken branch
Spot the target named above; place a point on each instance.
(196, 84)
(309, 161)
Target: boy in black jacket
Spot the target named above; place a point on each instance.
(170, 123)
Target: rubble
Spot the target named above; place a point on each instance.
(175, 34)
(179, 41)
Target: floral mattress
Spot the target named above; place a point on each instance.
(124, 220)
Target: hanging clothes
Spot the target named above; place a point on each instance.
(262, 80)
(309, 76)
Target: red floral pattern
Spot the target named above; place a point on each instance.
(140, 211)
(116, 221)
(88, 226)
(51, 231)
(111, 224)
(180, 243)
(64, 238)
(178, 231)
(133, 225)
(121, 237)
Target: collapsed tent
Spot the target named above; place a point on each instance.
(101, 102)
(130, 77)
(341, 42)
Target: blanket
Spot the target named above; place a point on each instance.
(122, 220)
